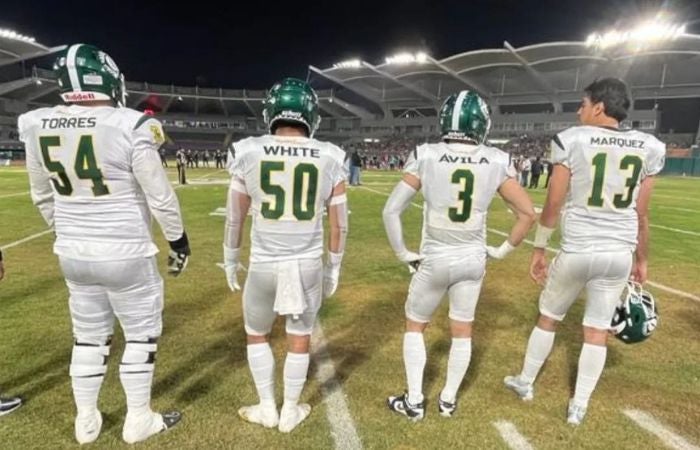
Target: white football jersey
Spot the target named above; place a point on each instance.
(93, 173)
(607, 166)
(289, 179)
(458, 183)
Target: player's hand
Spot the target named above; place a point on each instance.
(177, 261)
(412, 259)
(231, 266)
(538, 266)
(178, 257)
(500, 252)
(331, 275)
(639, 272)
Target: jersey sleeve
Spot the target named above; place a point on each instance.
(656, 158)
(147, 138)
(561, 147)
(506, 169)
(39, 180)
(340, 168)
(414, 162)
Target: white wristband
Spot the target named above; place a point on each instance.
(506, 248)
(542, 236)
(231, 255)
(335, 258)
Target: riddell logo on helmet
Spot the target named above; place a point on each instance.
(79, 96)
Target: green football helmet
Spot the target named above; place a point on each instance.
(85, 73)
(636, 316)
(292, 100)
(465, 116)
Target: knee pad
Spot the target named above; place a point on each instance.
(89, 359)
(139, 356)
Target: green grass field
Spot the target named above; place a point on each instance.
(202, 368)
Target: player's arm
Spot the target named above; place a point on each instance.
(397, 203)
(338, 227)
(160, 196)
(519, 202)
(237, 205)
(639, 271)
(39, 180)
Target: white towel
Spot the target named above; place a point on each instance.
(289, 299)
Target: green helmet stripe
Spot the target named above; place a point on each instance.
(70, 65)
(457, 109)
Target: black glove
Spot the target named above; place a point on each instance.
(178, 255)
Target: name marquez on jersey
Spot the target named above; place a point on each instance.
(69, 122)
(462, 159)
(613, 141)
(281, 150)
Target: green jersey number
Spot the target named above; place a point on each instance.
(619, 200)
(85, 165)
(465, 178)
(303, 192)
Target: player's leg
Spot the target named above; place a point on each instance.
(610, 272)
(93, 324)
(258, 316)
(425, 292)
(296, 365)
(566, 278)
(135, 291)
(466, 280)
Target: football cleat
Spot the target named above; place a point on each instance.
(523, 389)
(264, 415)
(575, 414)
(87, 428)
(292, 415)
(141, 427)
(446, 409)
(636, 316)
(401, 405)
(9, 404)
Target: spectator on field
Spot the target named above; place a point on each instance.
(525, 166)
(182, 161)
(536, 172)
(163, 159)
(219, 157)
(355, 167)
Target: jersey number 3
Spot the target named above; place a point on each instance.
(85, 165)
(303, 192)
(465, 179)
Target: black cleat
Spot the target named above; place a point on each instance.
(446, 409)
(9, 404)
(170, 419)
(401, 405)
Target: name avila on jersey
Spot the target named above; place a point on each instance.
(69, 122)
(281, 150)
(462, 159)
(620, 142)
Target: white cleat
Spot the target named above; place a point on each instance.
(264, 415)
(524, 389)
(291, 416)
(140, 427)
(87, 427)
(575, 414)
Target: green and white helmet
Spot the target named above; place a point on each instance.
(85, 73)
(636, 316)
(465, 116)
(292, 100)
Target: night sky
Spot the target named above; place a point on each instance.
(250, 44)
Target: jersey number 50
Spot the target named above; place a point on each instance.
(85, 165)
(303, 192)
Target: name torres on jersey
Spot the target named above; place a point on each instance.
(69, 122)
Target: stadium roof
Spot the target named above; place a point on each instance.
(15, 47)
(534, 73)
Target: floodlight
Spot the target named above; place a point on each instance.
(348, 64)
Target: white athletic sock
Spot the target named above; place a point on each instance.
(457, 365)
(85, 392)
(262, 367)
(87, 369)
(296, 367)
(590, 367)
(538, 348)
(136, 375)
(414, 359)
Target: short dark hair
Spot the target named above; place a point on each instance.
(614, 95)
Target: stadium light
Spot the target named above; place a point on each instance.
(408, 58)
(643, 34)
(348, 64)
(11, 34)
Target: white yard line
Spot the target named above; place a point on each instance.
(677, 209)
(675, 230)
(342, 424)
(660, 286)
(675, 197)
(27, 239)
(512, 436)
(667, 435)
(16, 194)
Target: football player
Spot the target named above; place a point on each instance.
(7, 404)
(458, 177)
(96, 176)
(285, 178)
(601, 182)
